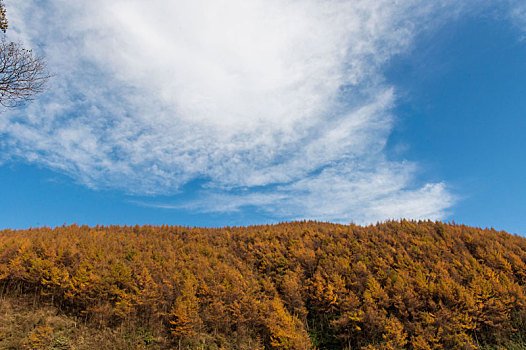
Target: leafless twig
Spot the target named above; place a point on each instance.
(22, 74)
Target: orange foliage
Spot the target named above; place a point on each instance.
(396, 285)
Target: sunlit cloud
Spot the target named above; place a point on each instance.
(280, 105)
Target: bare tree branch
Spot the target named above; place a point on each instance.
(22, 74)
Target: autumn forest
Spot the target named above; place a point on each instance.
(301, 285)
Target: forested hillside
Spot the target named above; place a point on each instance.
(301, 285)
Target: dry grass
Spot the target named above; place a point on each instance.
(26, 323)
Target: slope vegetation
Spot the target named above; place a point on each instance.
(300, 285)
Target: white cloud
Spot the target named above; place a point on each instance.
(279, 104)
(518, 13)
(369, 195)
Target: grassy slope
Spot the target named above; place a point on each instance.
(28, 323)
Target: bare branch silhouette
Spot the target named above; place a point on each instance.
(22, 73)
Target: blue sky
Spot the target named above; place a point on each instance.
(208, 114)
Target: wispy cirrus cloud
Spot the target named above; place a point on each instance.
(518, 13)
(280, 105)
